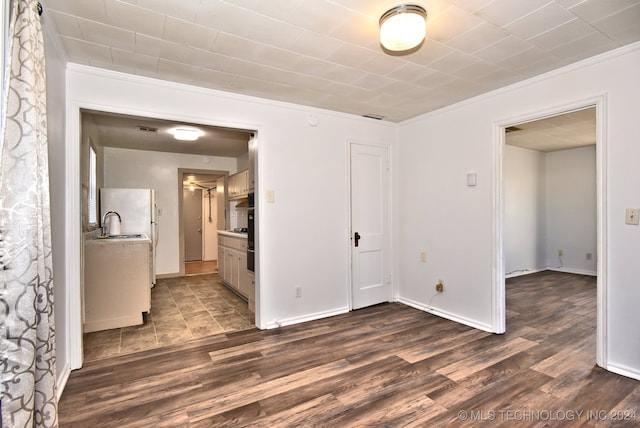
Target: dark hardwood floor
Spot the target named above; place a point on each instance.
(387, 365)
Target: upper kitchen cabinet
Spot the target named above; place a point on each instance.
(222, 206)
(252, 163)
(239, 185)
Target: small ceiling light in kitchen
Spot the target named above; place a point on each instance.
(403, 27)
(186, 134)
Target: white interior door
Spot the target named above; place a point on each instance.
(370, 258)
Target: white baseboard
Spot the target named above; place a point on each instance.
(555, 269)
(61, 383)
(624, 371)
(576, 271)
(446, 315)
(310, 317)
(524, 272)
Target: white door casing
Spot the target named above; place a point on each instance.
(370, 228)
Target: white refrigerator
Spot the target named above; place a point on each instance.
(138, 213)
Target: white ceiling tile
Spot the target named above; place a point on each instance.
(102, 34)
(478, 37)
(430, 51)
(434, 80)
(186, 72)
(584, 47)
(450, 23)
(188, 33)
(339, 73)
(352, 56)
(315, 45)
(453, 62)
(66, 25)
(562, 34)
(524, 59)
(476, 70)
(539, 21)
(134, 18)
(382, 64)
(623, 27)
(278, 9)
(503, 12)
(363, 31)
(319, 17)
(183, 9)
(594, 10)
(568, 3)
(93, 9)
(470, 5)
(410, 72)
(137, 61)
(503, 49)
(152, 46)
(311, 66)
(82, 49)
(372, 82)
(203, 58)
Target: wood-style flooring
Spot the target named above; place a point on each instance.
(387, 365)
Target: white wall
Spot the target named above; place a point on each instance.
(455, 223)
(525, 216)
(571, 216)
(305, 166)
(159, 170)
(550, 205)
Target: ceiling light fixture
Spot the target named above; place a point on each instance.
(186, 134)
(403, 27)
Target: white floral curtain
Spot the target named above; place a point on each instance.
(27, 334)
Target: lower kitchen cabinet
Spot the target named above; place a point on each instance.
(232, 261)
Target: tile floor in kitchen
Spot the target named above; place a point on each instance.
(181, 309)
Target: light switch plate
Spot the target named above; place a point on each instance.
(271, 197)
(632, 216)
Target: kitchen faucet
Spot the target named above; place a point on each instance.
(104, 221)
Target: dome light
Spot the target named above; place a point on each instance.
(403, 27)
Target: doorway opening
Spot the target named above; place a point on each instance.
(551, 224)
(200, 219)
(137, 152)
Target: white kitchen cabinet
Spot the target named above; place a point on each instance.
(232, 248)
(239, 184)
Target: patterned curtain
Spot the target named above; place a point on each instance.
(27, 363)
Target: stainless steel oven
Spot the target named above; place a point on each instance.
(251, 243)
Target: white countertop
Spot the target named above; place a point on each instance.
(128, 238)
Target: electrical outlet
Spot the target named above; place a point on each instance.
(632, 216)
(440, 287)
(298, 291)
(423, 256)
(560, 253)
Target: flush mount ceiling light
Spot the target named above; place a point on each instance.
(403, 27)
(186, 134)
